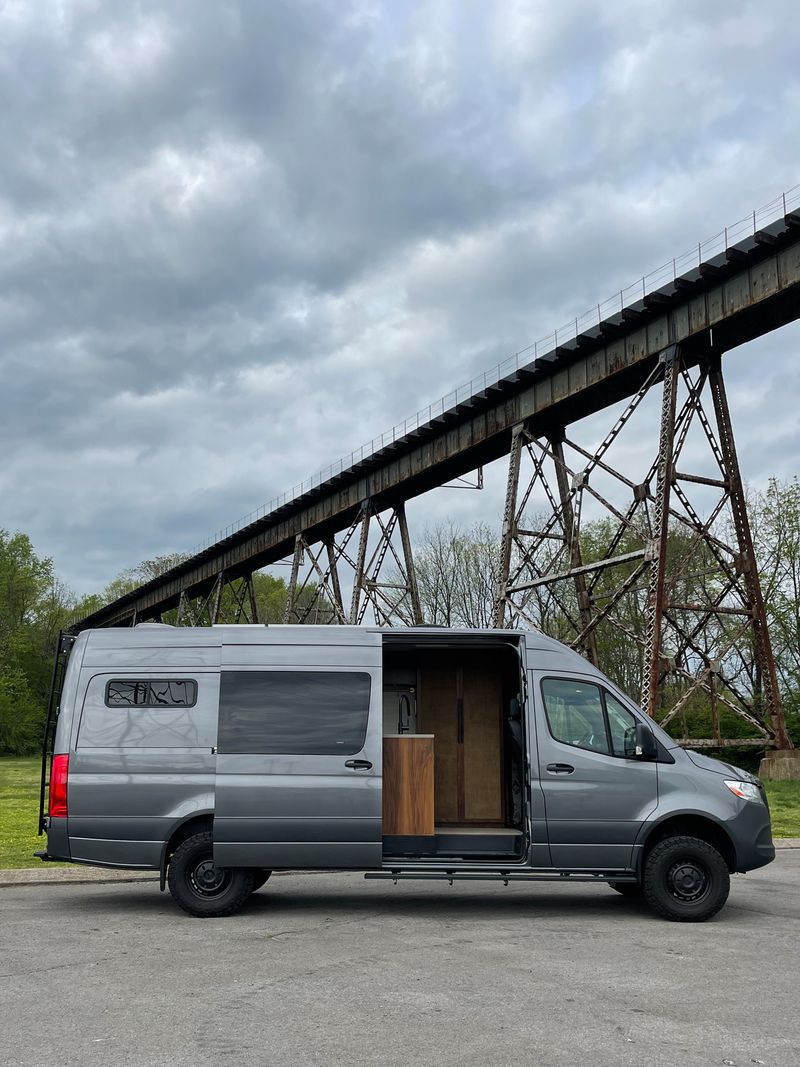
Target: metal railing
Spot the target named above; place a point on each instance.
(777, 208)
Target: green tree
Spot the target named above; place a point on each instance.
(34, 605)
(775, 525)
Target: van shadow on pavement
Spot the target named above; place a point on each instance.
(278, 900)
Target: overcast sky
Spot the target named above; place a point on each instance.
(238, 239)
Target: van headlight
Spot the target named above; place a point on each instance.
(745, 790)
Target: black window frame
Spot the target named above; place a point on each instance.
(150, 682)
(603, 691)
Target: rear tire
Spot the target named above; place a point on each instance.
(627, 889)
(200, 888)
(686, 879)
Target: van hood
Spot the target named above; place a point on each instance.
(707, 763)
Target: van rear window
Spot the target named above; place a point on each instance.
(297, 712)
(151, 693)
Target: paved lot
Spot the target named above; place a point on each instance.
(330, 969)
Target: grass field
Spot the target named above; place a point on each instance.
(19, 809)
(19, 812)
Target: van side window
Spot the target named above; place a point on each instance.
(587, 716)
(151, 693)
(575, 713)
(621, 726)
(297, 712)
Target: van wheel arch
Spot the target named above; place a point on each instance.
(697, 826)
(195, 824)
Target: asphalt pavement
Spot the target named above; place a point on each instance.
(332, 969)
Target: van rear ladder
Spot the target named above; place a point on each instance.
(63, 649)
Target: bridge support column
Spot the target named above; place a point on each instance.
(359, 579)
(314, 595)
(410, 569)
(291, 596)
(182, 609)
(251, 595)
(216, 598)
(393, 596)
(657, 548)
(571, 524)
(509, 527)
(746, 564)
(240, 602)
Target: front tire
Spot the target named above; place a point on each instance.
(686, 879)
(200, 888)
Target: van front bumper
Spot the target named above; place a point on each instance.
(752, 837)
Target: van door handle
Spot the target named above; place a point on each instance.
(359, 764)
(560, 768)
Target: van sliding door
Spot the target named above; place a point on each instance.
(299, 766)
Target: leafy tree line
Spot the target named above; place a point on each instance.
(456, 573)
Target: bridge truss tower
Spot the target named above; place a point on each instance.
(674, 574)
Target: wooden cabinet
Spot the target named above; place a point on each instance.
(408, 788)
(460, 703)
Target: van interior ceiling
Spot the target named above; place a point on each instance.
(453, 749)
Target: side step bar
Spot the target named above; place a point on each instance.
(498, 876)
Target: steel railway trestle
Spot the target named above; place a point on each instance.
(669, 344)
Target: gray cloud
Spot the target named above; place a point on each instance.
(236, 240)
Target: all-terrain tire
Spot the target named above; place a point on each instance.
(627, 889)
(685, 879)
(200, 888)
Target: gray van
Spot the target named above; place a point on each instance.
(218, 755)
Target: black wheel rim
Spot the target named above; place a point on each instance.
(206, 880)
(687, 881)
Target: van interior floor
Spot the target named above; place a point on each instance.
(467, 842)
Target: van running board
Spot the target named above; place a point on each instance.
(499, 876)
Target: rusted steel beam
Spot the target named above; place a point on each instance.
(333, 577)
(655, 596)
(291, 593)
(411, 574)
(750, 579)
(509, 523)
(584, 569)
(359, 579)
(251, 594)
(215, 604)
(572, 536)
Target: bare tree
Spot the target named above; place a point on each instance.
(456, 570)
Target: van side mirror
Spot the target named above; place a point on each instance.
(645, 747)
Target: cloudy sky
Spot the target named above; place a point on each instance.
(237, 239)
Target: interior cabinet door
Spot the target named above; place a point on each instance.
(482, 795)
(439, 716)
(461, 705)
